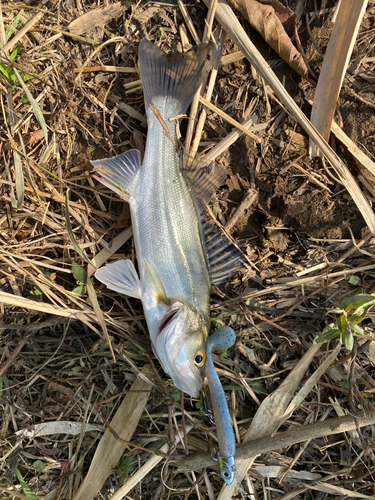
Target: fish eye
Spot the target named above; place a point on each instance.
(200, 358)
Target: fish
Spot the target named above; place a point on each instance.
(179, 255)
(224, 337)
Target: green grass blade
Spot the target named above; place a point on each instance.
(70, 232)
(13, 25)
(25, 488)
(20, 181)
(12, 197)
(37, 111)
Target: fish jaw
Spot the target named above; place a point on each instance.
(182, 334)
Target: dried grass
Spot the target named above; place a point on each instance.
(79, 385)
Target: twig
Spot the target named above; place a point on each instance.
(22, 32)
(250, 198)
(203, 115)
(281, 440)
(189, 22)
(229, 119)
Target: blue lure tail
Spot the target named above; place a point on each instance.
(224, 337)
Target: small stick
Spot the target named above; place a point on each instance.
(209, 20)
(22, 32)
(224, 144)
(250, 197)
(229, 119)
(282, 440)
(114, 69)
(202, 118)
(189, 22)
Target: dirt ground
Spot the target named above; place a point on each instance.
(71, 350)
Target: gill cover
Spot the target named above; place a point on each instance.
(181, 347)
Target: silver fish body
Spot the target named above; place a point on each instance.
(165, 221)
(174, 280)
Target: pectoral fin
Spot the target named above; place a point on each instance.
(153, 283)
(121, 276)
(118, 173)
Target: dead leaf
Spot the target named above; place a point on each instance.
(278, 26)
(29, 139)
(94, 18)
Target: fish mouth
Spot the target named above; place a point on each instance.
(187, 384)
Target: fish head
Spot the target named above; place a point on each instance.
(181, 346)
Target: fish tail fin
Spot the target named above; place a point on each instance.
(174, 76)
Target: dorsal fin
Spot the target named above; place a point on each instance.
(204, 180)
(224, 259)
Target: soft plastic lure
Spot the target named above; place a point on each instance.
(224, 337)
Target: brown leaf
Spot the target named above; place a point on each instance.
(278, 26)
(96, 17)
(29, 139)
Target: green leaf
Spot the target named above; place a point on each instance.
(176, 394)
(37, 291)
(123, 468)
(356, 329)
(69, 230)
(14, 54)
(341, 323)
(356, 319)
(37, 111)
(5, 70)
(337, 310)
(347, 339)
(326, 336)
(13, 25)
(354, 280)
(232, 387)
(80, 290)
(40, 466)
(357, 301)
(79, 273)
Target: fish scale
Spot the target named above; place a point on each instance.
(165, 221)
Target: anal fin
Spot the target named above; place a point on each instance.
(224, 258)
(118, 173)
(204, 180)
(121, 276)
